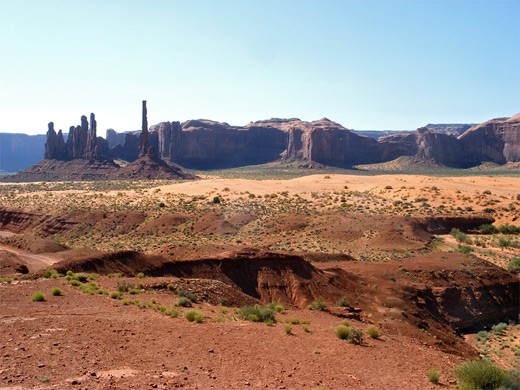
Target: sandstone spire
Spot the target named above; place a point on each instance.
(91, 150)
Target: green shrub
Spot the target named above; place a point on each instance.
(74, 283)
(459, 236)
(514, 265)
(184, 302)
(287, 329)
(318, 304)
(294, 321)
(48, 274)
(487, 229)
(253, 318)
(261, 313)
(82, 277)
(480, 374)
(279, 309)
(508, 229)
(373, 332)
(194, 316)
(306, 329)
(343, 302)
(93, 276)
(433, 375)
(343, 332)
(56, 291)
(170, 287)
(114, 294)
(140, 275)
(499, 328)
(187, 294)
(464, 249)
(38, 297)
(70, 273)
(482, 335)
(173, 313)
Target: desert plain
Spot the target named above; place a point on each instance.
(230, 282)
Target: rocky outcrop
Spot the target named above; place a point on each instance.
(55, 145)
(497, 140)
(91, 148)
(145, 147)
(205, 144)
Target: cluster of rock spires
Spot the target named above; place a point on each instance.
(85, 156)
(204, 144)
(82, 142)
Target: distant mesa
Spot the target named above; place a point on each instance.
(160, 151)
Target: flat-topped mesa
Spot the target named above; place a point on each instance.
(145, 149)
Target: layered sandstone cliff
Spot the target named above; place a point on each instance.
(207, 144)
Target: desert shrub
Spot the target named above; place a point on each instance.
(480, 374)
(70, 273)
(173, 313)
(373, 332)
(504, 242)
(187, 294)
(388, 187)
(38, 297)
(482, 335)
(216, 200)
(318, 304)
(356, 336)
(184, 302)
(257, 313)
(93, 276)
(162, 309)
(287, 329)
(514, 265)
(126, 302)
(294, 321)
(508, 229)
(306, 329)
(74, 283)
(82, 277)
(499, 328)
(487, 229)
(170, 287)
(123, 286)
(459, 236)
(464, 249)
(223, 301)
(343, 332)
(433, 375)
(279, 309)
(194, 316)
(140, 275)
(114, 294)
(56, 291)
(343, 302)
(48, 274)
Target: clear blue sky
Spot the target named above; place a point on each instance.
(364, 64)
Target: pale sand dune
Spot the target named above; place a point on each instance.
(506, 186)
